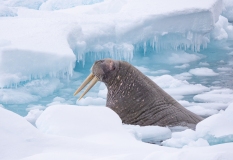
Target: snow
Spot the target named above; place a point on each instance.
(18, 137)
(222, 30)
(213, 130)
(204, 64)
(32, 4)
(183, 76)
(11, 96)
(209, 105)
(217, 125)
(102, 119)
(59, 4)
(149, 134)
(180, 139)
(33, 115)
(41, 32)
(150, 72)
(216, 95)
(79, 132)
(178, 87)
(37, 40)
(50, 121)
(203, 72)
(228, 9)
(59, 99)
(183, 57)
(183, 66)
(199, 143)
(7, 12)
(103, 92)
(47, 48)
(204, 112)
(53, 40)
(91, 101)
(224, 69)
(30, 92)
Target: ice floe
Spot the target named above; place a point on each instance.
(203, 72)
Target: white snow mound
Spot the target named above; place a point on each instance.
(95, 124)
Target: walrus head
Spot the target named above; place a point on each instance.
(102, 70)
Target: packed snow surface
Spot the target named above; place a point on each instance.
(203, 72)
(50, 40)
(97, 133)
(215, 129)
(228, 9)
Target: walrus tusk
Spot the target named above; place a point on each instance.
(86, 81)
(93, 82)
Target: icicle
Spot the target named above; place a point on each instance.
(144, 48)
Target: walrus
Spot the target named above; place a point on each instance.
(136, 98)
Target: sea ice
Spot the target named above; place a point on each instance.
(199, 143)
(183, 76)
(91, 101)
(217, 128)
(7, 12)
(228, 9)
(222, 30)
(35, 107)
(203, 72)
(183, 66)
(17, 136)
(60, 4)
(180, 139)
(32, 53)
(76, 124)
(29, 92)
(216, 95)
(112, 23)
(182, 57)
(210, 105)
(204, 64)
(59, 99)
(103, 93)
(32, 4)
(150, 72)
(13, 96)
(224, 69)
(201, 111)
(111, 28)
(102, 136)
(37, 52)
(149, 134)
(32, 115)
(178, 87)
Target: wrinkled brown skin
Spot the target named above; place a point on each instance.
(137, 99)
